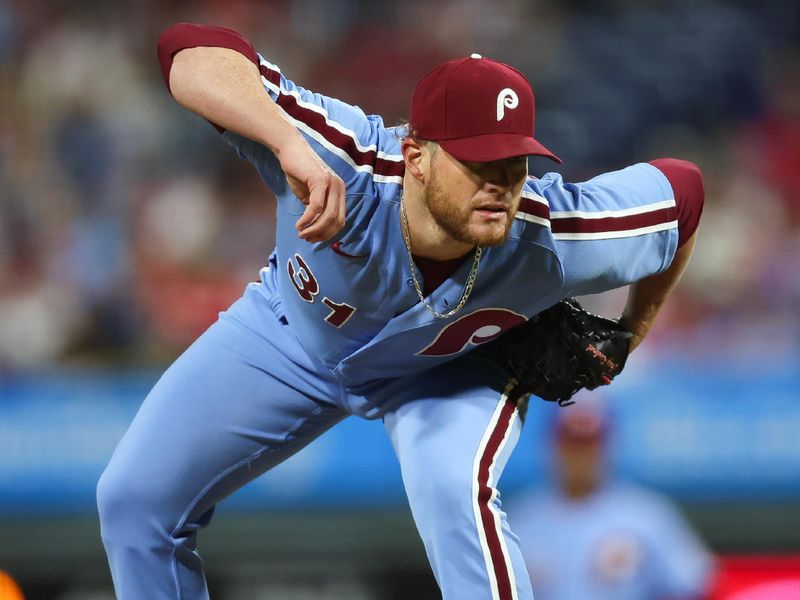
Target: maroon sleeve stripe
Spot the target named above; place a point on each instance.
(271, 75)
(318, 123)
(532, 207)
(612, 224)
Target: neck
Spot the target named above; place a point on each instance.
(428, 239)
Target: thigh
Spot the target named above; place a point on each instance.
(461, 422)
(232, 406)
(453, 429)
(463, 406)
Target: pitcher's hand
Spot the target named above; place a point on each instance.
(316, 186)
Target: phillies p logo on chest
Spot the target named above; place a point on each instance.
(476, 328)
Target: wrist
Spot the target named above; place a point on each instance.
(289, 142)
(636, 327)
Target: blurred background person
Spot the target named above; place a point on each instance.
(590, 535)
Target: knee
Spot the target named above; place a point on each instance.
(123, 500)
(113, 500)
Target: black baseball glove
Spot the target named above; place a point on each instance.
(562, 350)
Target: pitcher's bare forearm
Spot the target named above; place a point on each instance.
(647, 296)
(224, 86)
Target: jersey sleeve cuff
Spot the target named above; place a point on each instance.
(189, 35)
(686, 181)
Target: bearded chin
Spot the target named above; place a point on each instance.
(455, 222)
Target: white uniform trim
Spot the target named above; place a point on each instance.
(604, 214)
(524, 216)
(535, 197)
(318, 109)
(319, 137)
(476, 505)
(532, 218)
(609, 235)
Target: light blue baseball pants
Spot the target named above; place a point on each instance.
(246, 396)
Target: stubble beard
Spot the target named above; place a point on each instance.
(454, 220)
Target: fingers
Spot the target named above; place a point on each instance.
(316, 186)
(314, 206)
(325, 214)
(342, 214)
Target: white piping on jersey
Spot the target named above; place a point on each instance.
(602, 214)
(319, 137)
(269, 65)
(535, 197)
(321, 111)
(529, 217)
(608, 235)
(532, 218)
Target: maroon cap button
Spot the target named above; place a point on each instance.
(477, 109)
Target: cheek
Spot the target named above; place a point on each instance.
(459, 183)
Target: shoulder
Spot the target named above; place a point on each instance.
(629, 202)
(358, 146)
(636, 183)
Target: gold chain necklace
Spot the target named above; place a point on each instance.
(473, 273)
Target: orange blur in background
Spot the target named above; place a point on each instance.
(9, 590)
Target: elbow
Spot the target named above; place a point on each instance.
(683, 175)
(692, 192)
(693, 177)
(170, 42)
(693, 186)
(190, 35)
(172, 33)
(688, 188)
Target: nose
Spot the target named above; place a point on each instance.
(500, 175)
(496, 175)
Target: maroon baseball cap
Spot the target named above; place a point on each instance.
(477, 109)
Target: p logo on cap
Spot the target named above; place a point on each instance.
(506, 98)
(477, 109)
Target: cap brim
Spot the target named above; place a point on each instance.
(495, 146)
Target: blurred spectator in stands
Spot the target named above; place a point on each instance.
(591, 536)
(92, 151)
(38, 314)
(187, 273)
(770, 145)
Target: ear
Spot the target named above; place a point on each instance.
(413, 155)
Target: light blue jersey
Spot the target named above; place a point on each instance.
(566, 239)
(336, 329)
(621, 543)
